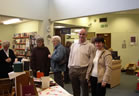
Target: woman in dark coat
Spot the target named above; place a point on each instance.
(7, 58)
(39, 58)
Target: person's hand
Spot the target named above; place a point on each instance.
(103, 84)
(49, 56)
(8, 60)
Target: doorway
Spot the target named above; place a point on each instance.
(107, 39)
(58, 32)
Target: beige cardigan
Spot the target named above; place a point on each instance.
(104, 67)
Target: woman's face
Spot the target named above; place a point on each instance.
(55, 42)
(39, 43)
(99, 45)
(6, 47)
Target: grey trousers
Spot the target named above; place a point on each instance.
(79, 83)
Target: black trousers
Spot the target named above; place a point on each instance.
(66, 76)
(79, 83)
(96, 88)
(58, 77)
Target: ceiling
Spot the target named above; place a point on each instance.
(133, 12)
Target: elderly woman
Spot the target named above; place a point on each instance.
(39, 58)
(57, 56)
(7, 58)
(100, 70)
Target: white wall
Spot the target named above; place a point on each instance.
(63, 9)
(121, 28)
(31, 26)
(6, 33)
(33, 9)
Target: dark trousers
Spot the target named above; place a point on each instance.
(96, 88)
(77, 77)
(58, 77)
(66, 76)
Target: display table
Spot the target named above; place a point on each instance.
(116, 72)
(21, 78)
(53, 91)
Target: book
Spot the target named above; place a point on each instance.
(28, 90)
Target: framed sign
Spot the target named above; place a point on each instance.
(65, 31)
(133, 40)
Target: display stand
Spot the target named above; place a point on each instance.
(24, 80)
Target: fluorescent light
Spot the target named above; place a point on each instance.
(11, 21)
(77, 30)
(59, 27)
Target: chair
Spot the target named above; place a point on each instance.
(5, 87)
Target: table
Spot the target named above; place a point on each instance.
(53, 91)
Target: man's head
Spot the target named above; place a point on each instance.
(82, 35)
(40, 42)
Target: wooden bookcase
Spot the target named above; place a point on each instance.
(23, 43)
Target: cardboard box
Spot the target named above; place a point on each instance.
(130, 68)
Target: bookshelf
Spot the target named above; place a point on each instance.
(23, 43)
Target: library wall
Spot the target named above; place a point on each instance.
(31, 26)
(6, 33)
(121, 27)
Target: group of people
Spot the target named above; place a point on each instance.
(41, 59)
(87, 63)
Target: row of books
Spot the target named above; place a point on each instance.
(24, 34)
(20, 52)
(20, 46)
(21, 35)
(16, 41)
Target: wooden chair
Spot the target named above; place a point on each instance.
(5, 87)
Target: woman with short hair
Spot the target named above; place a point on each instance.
(39, 58)
(100, 71)
(57, 56)
(7, 57)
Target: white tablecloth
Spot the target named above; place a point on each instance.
(54, 91)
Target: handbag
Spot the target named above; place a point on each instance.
(64, 60)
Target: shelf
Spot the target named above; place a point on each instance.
(19, 49)
(20, 55)
(21, 43)
(21, 37)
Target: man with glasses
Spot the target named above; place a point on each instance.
(81, 55)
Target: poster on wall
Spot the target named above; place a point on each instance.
(133, 40)
(124, 44)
